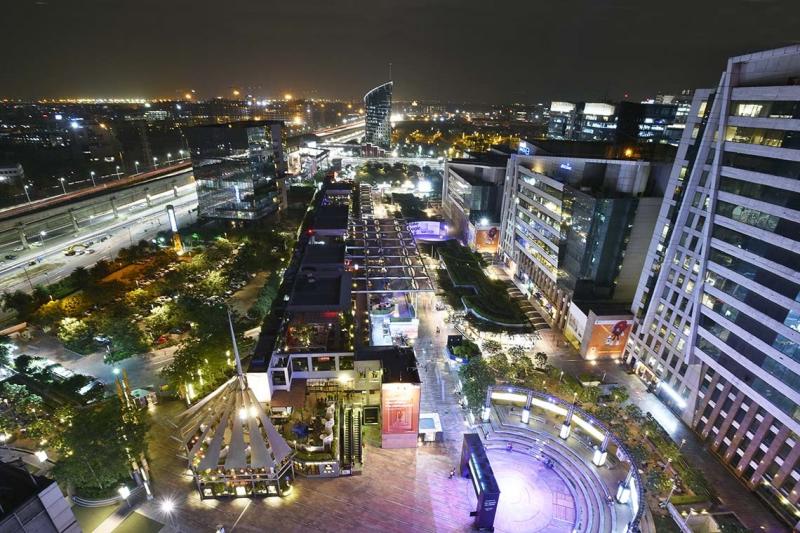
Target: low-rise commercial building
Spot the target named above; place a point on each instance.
(472, 197)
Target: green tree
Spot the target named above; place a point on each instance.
(515, 352)
(491, 347)
(620, 394)
(5, 350)
(658, 481)
(21, 303)
(540, 360)
(476, 378)
(76, 335)
(500, 366)
(97, 446)
(19, 408)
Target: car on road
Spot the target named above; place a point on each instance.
(11, 257)
(31, 263)
(90, 250)
(18, 248)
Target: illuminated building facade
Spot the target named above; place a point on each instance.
(577, 226)
(378, 109)
(717, 319)
(239, 168)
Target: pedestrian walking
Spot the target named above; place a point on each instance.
(452, 473)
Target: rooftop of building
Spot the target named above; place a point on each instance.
(601, 308)
(323, 254)
(651, 152)
(17, 486)
(398, 362)
(320, 291)
(330, 217)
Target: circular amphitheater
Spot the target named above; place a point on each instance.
(554, 479)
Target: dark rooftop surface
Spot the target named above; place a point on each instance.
(399, 363)
(654, 152)
(330, 253)
(603, 308)
(330, 217)
(17, 486)
(318, 292)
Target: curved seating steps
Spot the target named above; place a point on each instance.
(589, 483)
(582, 513)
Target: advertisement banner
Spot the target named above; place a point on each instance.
(430, 230)
(400, 409)
(487, 240)
(608, 338)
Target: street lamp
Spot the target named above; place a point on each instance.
(167, 507)
(41, 236)
(91, 175)
(169, 157)
(155, 162)
(25, 188)
(118, 172)
(124, 492)
(137, 166)
(180, 152)
(683, 441)
(63, 187)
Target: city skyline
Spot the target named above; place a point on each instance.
(633, 52)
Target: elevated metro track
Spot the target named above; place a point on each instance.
(27, 225)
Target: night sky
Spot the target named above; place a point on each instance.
(449, 50)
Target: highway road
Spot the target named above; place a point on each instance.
(45, 262)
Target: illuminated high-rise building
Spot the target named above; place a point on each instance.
(717, 312)
(378, 109)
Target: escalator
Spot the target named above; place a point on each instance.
(350, 450)
(357, 446)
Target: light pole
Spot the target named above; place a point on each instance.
(91, 175)
(180, 153)
(169, 157)
(683, 441)
(167, 507)
(25, 188)
(118, 172)
(63, 187)
(155, 162)
(124, 492)
(41, 236)
(136, 163)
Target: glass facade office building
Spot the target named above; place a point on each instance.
(717, 326)
(239, 168)
(567, 227)
(378, 109)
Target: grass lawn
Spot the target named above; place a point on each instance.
(91, 517)
(492, 300)
(138, 523)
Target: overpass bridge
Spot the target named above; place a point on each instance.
(29, 225)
